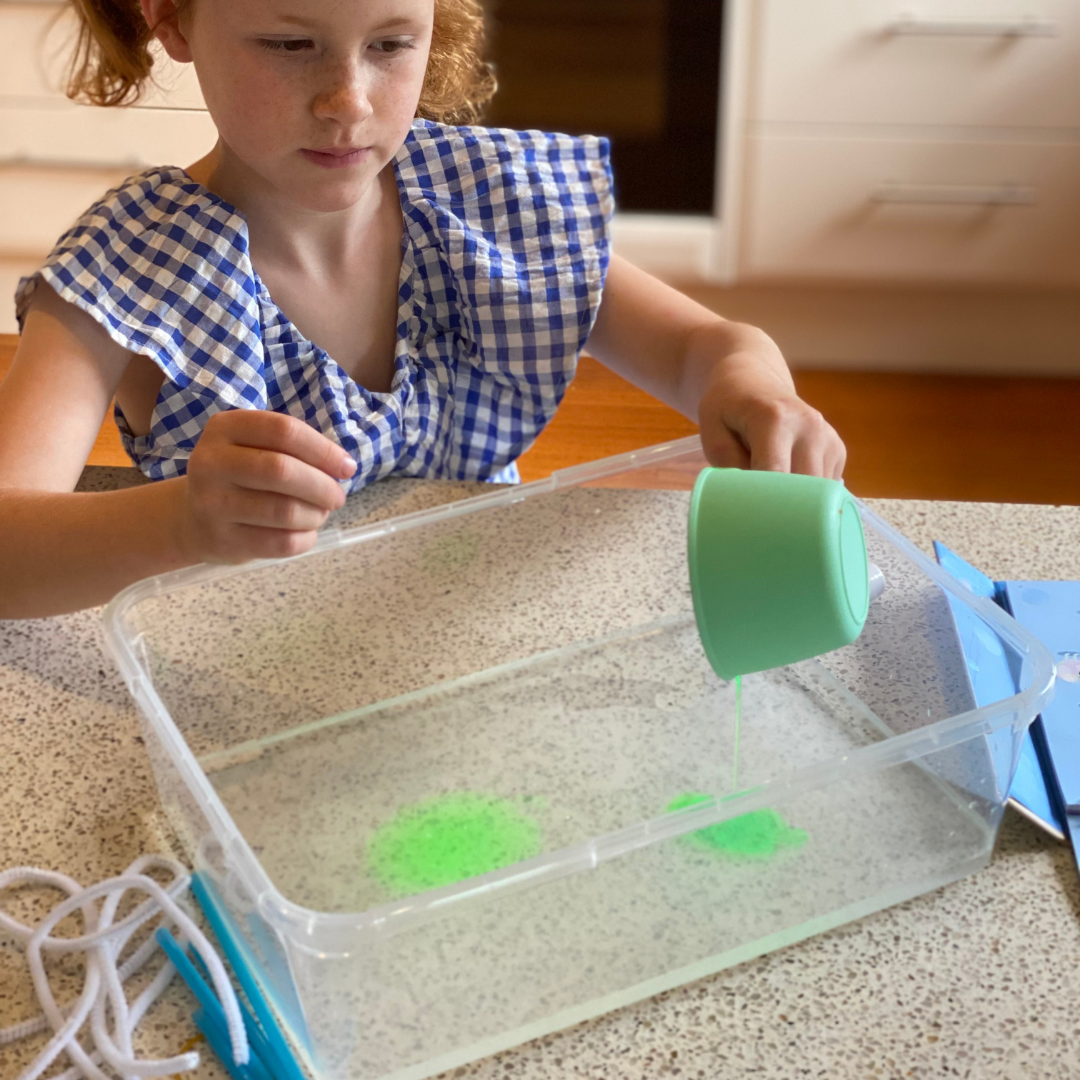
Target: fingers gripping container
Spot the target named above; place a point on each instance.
(465, 775)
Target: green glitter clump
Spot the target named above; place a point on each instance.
(759, 834)
(448, 839)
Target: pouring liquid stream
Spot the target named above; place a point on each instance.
(738, 727)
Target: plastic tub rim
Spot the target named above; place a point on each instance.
(399, 916)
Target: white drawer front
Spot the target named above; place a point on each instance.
(964, 62)
(36, 41)
(1005, 213)
(63, 133)
(47, 203)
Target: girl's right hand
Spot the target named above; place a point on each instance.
(259, 485)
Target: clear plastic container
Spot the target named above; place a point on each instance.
(522, 669)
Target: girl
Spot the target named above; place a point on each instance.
(449, 274)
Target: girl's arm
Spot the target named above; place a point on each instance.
(728, 377)
(258, 484)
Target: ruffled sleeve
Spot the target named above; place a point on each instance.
(165, 270)
(513, 233)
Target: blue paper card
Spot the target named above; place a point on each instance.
(1050, 610)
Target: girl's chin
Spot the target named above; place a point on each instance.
(329, 198)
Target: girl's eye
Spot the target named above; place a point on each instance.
(390, 46)
(288, 45)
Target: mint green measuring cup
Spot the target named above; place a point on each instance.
(778, 568)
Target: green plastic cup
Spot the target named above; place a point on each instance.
(778, 568)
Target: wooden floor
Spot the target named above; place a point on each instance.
(908, 436)
(988, 439)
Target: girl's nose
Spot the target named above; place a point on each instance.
(344, 97)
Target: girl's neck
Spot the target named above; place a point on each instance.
(312, 242)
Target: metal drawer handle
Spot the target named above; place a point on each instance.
(28, 161)
(1028, 26)
(955, 194)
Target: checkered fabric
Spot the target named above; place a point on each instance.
(504, 257)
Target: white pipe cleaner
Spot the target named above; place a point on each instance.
(103, 998)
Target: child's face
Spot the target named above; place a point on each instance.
(285, 79)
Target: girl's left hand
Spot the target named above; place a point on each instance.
(752, 418)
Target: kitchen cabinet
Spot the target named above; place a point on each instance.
(929, 142)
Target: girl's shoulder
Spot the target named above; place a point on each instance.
(162, 265)
(157, 225)
(162, 201)
(498, 165)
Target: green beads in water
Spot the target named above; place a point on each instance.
(448, 839)
(758, 834)
(454, 837)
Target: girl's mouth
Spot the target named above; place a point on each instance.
(337, 157)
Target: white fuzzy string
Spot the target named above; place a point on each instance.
(103, 996)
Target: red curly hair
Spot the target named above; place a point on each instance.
(112, 59)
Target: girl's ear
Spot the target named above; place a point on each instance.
(162, 17)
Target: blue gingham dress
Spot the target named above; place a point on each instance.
(504, 254)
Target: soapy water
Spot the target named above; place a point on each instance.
(447, 839)
(448, 555)
(759, 834)
(738, 731)
(756, 835)
(450, 838)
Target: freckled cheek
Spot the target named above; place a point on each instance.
(256, 109)
(394, 96)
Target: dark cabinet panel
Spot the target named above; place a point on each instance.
(646, 73)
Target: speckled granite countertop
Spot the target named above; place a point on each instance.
(980, 979)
